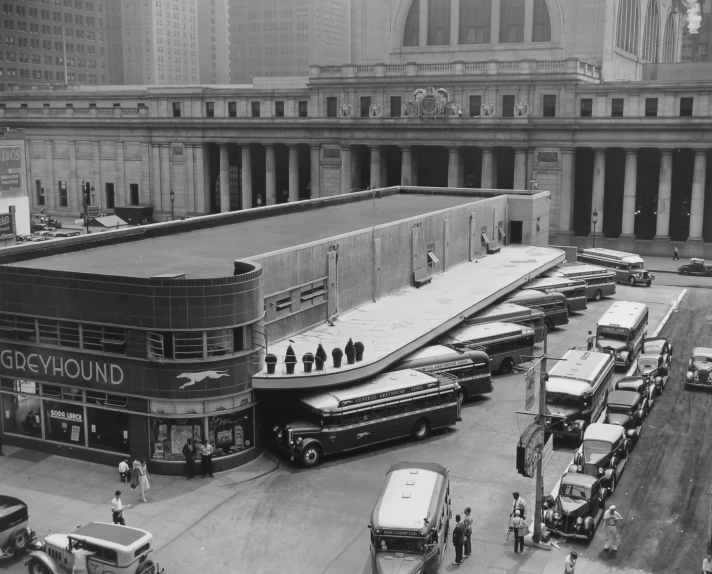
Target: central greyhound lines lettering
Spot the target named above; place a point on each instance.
(77, 369)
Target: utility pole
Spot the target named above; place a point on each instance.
(539, 495)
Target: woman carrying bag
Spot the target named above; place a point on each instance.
(139, 478)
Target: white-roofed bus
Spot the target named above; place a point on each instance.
(411, 519)
(469, 369)
(511, 313)
(600, 281)
(622, 329)
(386, 407)
(629, 267)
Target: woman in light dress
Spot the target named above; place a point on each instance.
(140, 474)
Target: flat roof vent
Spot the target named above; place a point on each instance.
(169, 276)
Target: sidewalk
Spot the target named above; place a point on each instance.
(663, 264)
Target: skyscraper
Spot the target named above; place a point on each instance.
(214, 41)
(160, 41)
(43, 43)
(271, 40)
(114, 34)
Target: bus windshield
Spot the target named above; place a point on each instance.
(400, 544)
(564, 400)
(613, 336)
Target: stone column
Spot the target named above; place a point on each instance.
(599, 180)
(461, 170)
(520, 168)
(224, 179)
(96, 173)
(487, 168)
(662, 229)
(346, 170)
(75, 182)
(293, 174)
(189, 179)
(246, 176)
(406, 165)
(270, 176)
(51, 189)
(145, 190)
(121, 175)
(375, 166)
(202, 202)
(565, 203)
(155, 177)
(629, 193)
(494, 22)
(528, 24)
(697, 204)
(453, 166)
(315, 151)
(165, 178)
(423, 23)
(454, 22)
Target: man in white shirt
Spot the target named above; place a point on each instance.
(570, 562)
(519, 505)
(610, 520)
(80, 558)
(206, 459)
(124, 470)
(117, 509)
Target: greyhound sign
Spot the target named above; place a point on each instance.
(200, 377)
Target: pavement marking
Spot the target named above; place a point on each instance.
(630, 372)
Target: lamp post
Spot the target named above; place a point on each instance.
(85, 194)
(173, 198)
(595, 221)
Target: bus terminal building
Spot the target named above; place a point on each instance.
(127, 343)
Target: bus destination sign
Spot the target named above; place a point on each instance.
(401, 532)
(608, 329)
(387, 394)
(444, 366)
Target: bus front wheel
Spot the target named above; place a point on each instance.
(311, 455)
(631, 281)
(598, 295)
(506, 367)
(421, 429)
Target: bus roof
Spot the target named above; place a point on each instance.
(410, 494)
(504, 311)
(581, 365)
(533, 295)
(440, 354)
(622, 256)
(554, 282)
(579, 270)
(624, 314)
(380, 387)
(603, 432)
(485, 331)
(567, 386)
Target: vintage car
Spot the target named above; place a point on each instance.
(627, 409)
(603, 454)
(695, 267)
(116, 550)
(658, 346)
(641, 385)
(654, 368)
(699, 368)
(15, 535)
(577, 508)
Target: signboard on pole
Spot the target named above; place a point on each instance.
(93, 211)
(547, 452)
(531, 390)
(529, 450)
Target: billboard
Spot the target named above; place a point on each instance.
(10, 170)
(7, 225)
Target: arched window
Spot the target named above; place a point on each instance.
(411, 36)
(651, 32)
(475, 21)
(511, 21)
(542, 23)
(628, 26)
(670, 39)
(438, 22)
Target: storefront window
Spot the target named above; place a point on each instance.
(109, 430)
(64, 422)
(66, 393)
(21, 413)
(231, 432)
(168, 436)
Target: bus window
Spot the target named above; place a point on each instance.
(396, 544)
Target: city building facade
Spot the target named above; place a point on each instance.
(160, 42)
(14, 199)
(214, 41)
(62, 41)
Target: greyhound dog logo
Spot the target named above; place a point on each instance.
(361, 435)
(200, 377)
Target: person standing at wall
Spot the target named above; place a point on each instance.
(189, 452)
(206, 459)
(467, 521)
(458, 539)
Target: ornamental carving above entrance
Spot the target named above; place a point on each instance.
(429, 103)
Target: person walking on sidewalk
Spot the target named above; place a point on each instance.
(675, 254)
(124, 470)
(520, 530)
(519, 505)
(206, 459)
(590, 340)
(139, 478)
(570, 562)
(117, 509)
(189, 452)
(458, 539)
(610, 519)
(467, 522)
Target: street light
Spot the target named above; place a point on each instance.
(595, 221)
(173, 198)
(85, 193)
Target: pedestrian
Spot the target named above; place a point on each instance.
(1, 452)
(124, 470)
(610, 519)
(139, 478)
(80, 558)
(520, 530)
(189, 451)
(206, 459)
(570, 562)
(590, 340)
(520, 505)
(675, 254)
(467, 521)
(458, 539)
(259, 200)
(117, 509)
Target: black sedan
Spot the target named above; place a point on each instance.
(645, 387)
(696, 266)
(627, 409)
(658, 346)
(654, 368)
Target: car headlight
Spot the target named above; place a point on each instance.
(557, 516)
(579, 521)
(578, 424)
(601, 472)
(300, 440)
(275, 429)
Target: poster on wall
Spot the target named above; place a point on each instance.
(179, 436)
(211, 438)
(10, 169)
(75, 433)
(224, 438)
(239, 437)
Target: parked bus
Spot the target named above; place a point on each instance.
(411, 520)
(629, 267)
(389, 406)
(506, 344)
(600, 282)
(622, 329)
(573, 289)
(553, 305)
(512, 313)
(469, 369)
(576, 391)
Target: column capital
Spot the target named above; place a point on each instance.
(631, 151)
(700, 152)
(292, 146)
(315, 146)
(567, 149)
(666, 151)
(374, 146)
(269, 145)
